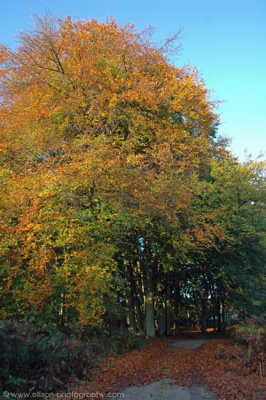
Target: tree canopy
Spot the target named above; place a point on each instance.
(119, 202)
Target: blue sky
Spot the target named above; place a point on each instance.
(225, 39)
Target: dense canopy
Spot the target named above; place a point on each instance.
(119, 203)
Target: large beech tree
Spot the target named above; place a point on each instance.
(113, 199)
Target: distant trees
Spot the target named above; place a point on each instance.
(118, 201)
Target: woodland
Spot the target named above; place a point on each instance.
(122, 209)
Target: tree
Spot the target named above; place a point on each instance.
(110, 172)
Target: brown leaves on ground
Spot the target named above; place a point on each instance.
(217, 364)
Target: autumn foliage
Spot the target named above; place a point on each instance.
(119, 204)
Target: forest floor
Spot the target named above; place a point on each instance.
(191, 366)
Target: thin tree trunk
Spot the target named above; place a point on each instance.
(168, 310)
(131, 314)
(223, 316)
(149, 306)
(130, 297)
(137, 293)
(61, 310)
(176, 323)
(219, 315)
(204, 316)
(214, 313)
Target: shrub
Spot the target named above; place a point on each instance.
(40, 358)
(252, 332)
(44, 358)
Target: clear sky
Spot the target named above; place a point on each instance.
(225, 39)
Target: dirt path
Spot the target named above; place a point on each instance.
(166, 389)
(189, 367)
(187, 343)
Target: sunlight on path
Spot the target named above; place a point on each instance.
(186, 344)
(167, 390)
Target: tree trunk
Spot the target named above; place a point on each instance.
(61, 310)
(176, 324)
(149, 306)
(218, 315)
(137, 287)
(214, 320)
(204, 316)
(223, 316)
(131, 314)
(130, 297)
(168, 310)
(213, 312)
(161, 320)
(139, 315)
